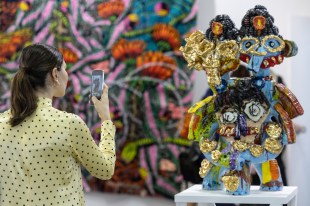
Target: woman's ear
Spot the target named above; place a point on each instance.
(54, 74)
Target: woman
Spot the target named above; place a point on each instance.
(41, 148)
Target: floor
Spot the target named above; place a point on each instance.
(107, 199)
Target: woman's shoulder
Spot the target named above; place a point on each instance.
(65, 116)
(6, 112)
(5, 115)
(74, 118)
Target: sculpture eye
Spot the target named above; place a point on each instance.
(273, 43)
(229, 116)
(248, 44)
(254, 110)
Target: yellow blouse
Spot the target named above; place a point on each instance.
(40, 158)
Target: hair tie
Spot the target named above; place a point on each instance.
(24, 69)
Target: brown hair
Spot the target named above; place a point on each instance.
(36, 61)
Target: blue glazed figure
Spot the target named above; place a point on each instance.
(248, 119)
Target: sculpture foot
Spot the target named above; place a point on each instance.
(212, 186)
(272, 186)
(240, 191)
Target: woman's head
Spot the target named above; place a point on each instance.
(41, 73)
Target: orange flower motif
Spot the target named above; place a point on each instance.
(110, 9)
(8, 11)
(69, 56)
(12, 42)
(124, 49)
(162, 67)
(2, 59)
(165, 32)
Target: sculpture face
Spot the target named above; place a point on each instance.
(261, 46)
(241, 115)
(262, 52)
(252, 109)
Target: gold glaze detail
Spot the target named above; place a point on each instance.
(256, 43)
(256, 150)
(273, 130)
(214, 76)
(205, 168)
(231, 183)
(207, 145)
(280, 59)
(252, 48)
(190, 50)
(277, 49)
(272, 145)
(240, 145)
(215, 155)
(215, 57)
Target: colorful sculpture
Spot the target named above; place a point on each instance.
(261, 47)
(248, 119)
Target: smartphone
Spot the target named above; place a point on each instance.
(97, 82)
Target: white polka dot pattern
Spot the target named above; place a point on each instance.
(40, 158)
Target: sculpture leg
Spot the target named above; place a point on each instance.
(270, 176)
(212, 181)
(238, 182)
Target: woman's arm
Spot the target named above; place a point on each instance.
(98, 160)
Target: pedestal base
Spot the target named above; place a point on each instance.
(196, 194)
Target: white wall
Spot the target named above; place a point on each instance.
(205, 14)
(298, 155)
(293, 20)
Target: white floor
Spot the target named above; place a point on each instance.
(109, 199)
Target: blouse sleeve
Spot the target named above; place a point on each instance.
(98, 160)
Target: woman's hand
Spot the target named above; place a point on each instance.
(102, 105)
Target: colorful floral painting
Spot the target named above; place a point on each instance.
(136, 43)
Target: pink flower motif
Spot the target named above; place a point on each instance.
(64, 6)
(167, 165)
(176, 111)
(103, 65)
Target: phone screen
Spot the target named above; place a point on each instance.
(97, 80)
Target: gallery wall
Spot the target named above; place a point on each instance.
(136, 43)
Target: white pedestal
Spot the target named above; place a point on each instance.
(196, 194)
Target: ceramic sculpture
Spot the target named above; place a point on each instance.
(248, 119)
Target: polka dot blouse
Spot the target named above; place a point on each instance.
(41, 157)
